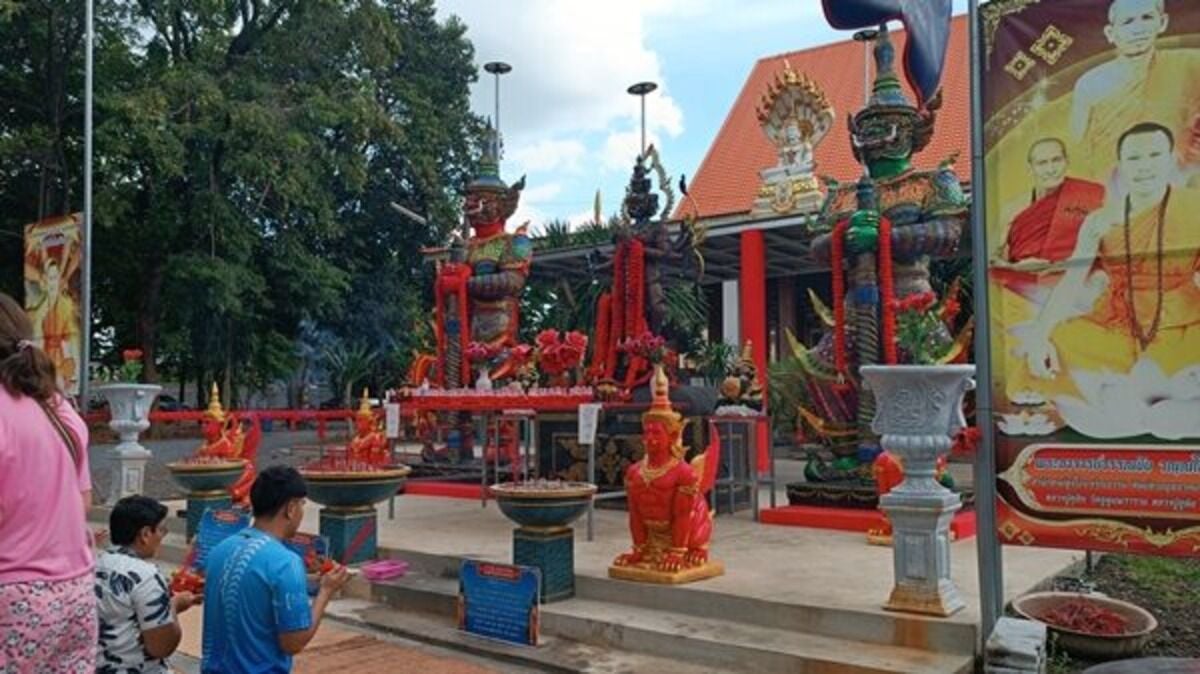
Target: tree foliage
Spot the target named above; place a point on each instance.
(246, 156)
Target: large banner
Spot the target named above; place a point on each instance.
(1092, 142)
(52, 285)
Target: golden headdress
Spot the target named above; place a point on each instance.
(364, 406)
(215, 411)
(661, 410)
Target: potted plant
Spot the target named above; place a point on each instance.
(129, 406)
(919, 410)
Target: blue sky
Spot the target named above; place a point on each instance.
(567, 121)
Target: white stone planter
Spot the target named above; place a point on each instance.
(919, 408)
(129, 414)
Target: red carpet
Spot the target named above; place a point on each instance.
(851, 519)
(446, 489)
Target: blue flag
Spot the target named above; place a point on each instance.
(928, 26)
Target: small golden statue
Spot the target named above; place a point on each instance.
(742, 387)
(224, 439)
(370, 444)
(669, 517)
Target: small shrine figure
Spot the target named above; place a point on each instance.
(478, 290)
(742, 388)
(795, 115)
(669, 517)
(369, 444)
(224, 439)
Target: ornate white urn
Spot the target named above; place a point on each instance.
(129, 414)
(919, 408)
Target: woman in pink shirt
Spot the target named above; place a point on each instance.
(47, 604)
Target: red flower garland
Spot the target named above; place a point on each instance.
(600, 351)
(887, 291)
(837, 261)
(617, 310)
(635, 307)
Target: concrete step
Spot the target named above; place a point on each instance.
(737, 646)
(553, 654)
(889, 629)
(727, 645)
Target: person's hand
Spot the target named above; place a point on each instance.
(182, 601)
(334, 580)
(862, 236)
(1040, 355)
(99, 538)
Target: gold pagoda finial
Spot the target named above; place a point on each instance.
(214, 403)
(748, 352)
(364, 405)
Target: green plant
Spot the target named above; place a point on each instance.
(715, 360)
(131, 366)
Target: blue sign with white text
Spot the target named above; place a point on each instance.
(216, 526)
(499, 601)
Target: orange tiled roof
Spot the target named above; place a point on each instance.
(727, 180)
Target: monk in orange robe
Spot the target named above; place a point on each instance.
(1145, 247)
(1045, 231)
(1142, 82)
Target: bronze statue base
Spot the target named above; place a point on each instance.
(639, 574)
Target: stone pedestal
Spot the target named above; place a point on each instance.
(919, 407)
(129, 414)
(352, 533)
(200, 501)
(553, 551)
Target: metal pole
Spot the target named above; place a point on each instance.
(85, 291)
(991, 580)
(641, 89)
(497, 68)
(867, 37)
(591, 450)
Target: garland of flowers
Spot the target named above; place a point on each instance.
(837, 261)
(617, 310)
(600, 350)
(887, 291)
(635, 301)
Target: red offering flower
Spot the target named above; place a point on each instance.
(129, 355)
(521, 354)
(966, 441)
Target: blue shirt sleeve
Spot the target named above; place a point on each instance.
(289, 594)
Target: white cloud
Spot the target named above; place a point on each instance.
(548, 155)
(532, 205)
(572, 62)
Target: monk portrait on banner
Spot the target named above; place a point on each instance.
(1141, 83)
(1143, 247)
(1044, 232)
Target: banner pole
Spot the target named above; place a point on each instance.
(991, 580)
(85, 291)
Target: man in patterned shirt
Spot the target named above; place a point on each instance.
(256, 613)
(138, 625)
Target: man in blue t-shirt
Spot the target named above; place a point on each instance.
(256, 610)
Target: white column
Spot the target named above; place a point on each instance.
(731, 318)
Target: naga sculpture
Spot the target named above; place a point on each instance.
(669, 517)
(881, 234)
(224, 439)
(478, 291)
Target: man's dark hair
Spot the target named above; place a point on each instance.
(131, 514)
(1042, 141)
(274, 487)
(1145, 127)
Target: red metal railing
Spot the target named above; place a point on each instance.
(290, 417)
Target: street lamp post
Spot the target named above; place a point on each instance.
(85, 291)
(497, 68)
(866, 36)
(641, 89)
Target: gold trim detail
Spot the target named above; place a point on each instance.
(1052, 44)
(993, 13)
(708, 570)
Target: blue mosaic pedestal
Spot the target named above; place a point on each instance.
(553, 551)
(199, 501)
(352, 533)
